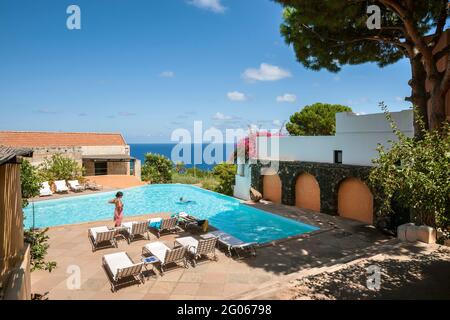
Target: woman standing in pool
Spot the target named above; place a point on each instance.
(118, 212)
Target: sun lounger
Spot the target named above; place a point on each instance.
(102, 237)
(165, 254)
(45, 190)
(199, 248)
(135, 228)
(75, 186)
(93, 186)
(120, 267)
(166, 225)
(61, 186)
(233, 243)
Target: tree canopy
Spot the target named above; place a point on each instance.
(157, 168)
(327, 34)
(318, 119)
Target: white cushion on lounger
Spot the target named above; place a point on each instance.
(116, 261)
(153, 220)
(128, 225)
(158, 249)
(96, 230)
(189, 243)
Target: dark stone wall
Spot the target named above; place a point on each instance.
(328, 175)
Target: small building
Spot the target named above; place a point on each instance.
(14, 253)
(98, 153)
(323, 173)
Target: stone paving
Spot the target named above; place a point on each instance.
(227, 278)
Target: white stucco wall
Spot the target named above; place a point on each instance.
(243, 183)
(105, 150)
(356, 135)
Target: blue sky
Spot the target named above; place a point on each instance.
(145, 68)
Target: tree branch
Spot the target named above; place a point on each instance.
(441, 22)
(408, 21)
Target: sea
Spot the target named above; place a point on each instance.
(202, 156)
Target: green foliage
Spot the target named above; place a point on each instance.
(198, 172)
(210, 183)
(328, 34)
(185, 178)
(225, 175)
(196, 176)
(38, 241)
(180, 167)
(416, 174)
(59, 167)
(157, 169)
(318, 119)
(30, 183)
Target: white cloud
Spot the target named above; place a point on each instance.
(211, 5)
(399, 99)
(167, 74)
(266, 72)
(221, 116)
(236, 96)
(288, 97)
(277, 123)
(337, 78)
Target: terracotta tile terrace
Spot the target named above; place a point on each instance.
(227, 278)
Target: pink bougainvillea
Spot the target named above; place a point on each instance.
(249, 143)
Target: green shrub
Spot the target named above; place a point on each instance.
(185, 178)
(210, 183)
(38, 242)
(225, 176)
(180, 167)
(30, 183)
(414, 172)
(157, 169)
(59, 167)
(198, 172)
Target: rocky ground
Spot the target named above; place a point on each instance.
(410, 272)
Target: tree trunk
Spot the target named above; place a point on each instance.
(437, 111)
(419, 96)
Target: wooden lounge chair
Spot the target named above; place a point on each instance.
(199, 248)
(61, 186)
(119, 266)
(102, 237)
(165, 254)
(233, 244)
(135, 228)
(167, 225)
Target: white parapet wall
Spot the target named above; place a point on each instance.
(243, 182)
(357, 136)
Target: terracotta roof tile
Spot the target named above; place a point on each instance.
(59, 139)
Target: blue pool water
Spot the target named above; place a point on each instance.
(225, 213)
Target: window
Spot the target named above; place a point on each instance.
(337, 156)
(101, 168)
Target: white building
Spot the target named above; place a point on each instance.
(352, 149)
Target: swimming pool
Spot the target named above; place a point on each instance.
(225, 213)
